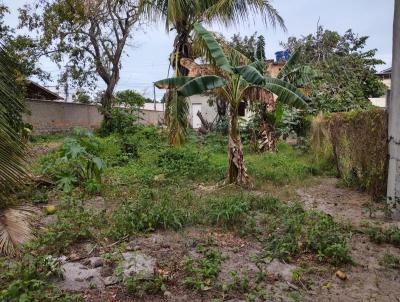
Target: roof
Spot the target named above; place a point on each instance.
(387, 71)
(34, 91)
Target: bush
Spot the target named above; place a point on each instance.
(358, 141)
(29, 279)
(76, 163)
(183, 162)
(147, 214)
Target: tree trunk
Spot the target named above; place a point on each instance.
(107, 103)
(237, 170)
(393, 187)
(268, 138)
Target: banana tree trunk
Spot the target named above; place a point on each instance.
(237, 170)
(268, 138)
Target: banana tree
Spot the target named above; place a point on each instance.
(233, 82)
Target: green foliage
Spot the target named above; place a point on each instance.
(379, 235)
(148, 213)
(293, 231)
(203, 271)
(359, 144)
(346, 73)
(73, 225)
(140, 287)
(390, 261)
(12, 156)
(75, 163)
(183, 162)
(226, 210)
(125, 116)
(28, 279)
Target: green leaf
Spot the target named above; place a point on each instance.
(285, 95)
(293, 61)
(279, 113)
(213, 47)
(172, 83)
(250, 74)
(99, 163)
(200, 85)
(287, 85)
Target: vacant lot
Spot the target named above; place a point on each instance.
(137, 220)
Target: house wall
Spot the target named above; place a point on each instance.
(51, 117)
(209, 112)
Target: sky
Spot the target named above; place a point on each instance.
(147, 61)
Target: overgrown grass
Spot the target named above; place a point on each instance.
(154, 186)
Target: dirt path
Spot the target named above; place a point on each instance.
(345, 204)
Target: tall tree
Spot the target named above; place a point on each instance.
(260, 48)
(345, 70)
(234, 82)
(181, 15)
(89, 36)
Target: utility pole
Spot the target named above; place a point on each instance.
(393, 188)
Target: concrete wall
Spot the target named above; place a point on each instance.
(51, 117)
(209, 112)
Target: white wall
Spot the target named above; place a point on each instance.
(209, 112)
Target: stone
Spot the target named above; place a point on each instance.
(110, 280)
(341, 275)
(94, 262)
(78, 277)
(137, 263)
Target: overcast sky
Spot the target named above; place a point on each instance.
(148, 60)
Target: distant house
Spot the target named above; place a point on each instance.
(36, 92)
(202, 104)
(386, 77)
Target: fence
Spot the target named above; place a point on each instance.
(52, 117)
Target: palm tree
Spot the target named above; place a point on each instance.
(14, 222)
(181, 16)
(233, 82)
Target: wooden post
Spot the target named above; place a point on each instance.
(393, 188)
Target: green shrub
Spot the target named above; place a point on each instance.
(292, 230)
(29, 279)
(74, 224)
(225, 210)
(147, 214)
(390, 261)
(183, 162)
(359, 143)
(203, 271)
(380, 235)
(75, 163)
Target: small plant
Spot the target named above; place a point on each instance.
(380, 235)
(28, 279)
(203, 271)
(140, 287)
(76, 163)
(148, 213)
(74, 224)
(390, 261)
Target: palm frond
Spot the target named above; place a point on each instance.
(12, 150)
(230, 12)
(15, 228)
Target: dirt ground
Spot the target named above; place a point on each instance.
(366, 279)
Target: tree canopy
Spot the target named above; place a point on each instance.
(345, 70)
